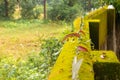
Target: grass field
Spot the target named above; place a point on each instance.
(22, 37)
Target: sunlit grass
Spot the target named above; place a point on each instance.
(19, 38)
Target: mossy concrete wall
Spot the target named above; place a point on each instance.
(63, 69)
(106, 33)
(118, 35)
(111, 38)
(101, 15)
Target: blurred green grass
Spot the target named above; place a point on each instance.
(21, 37)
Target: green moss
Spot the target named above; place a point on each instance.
(107, 71)
(109, 56)
(96, 65)
(107, 68)
(86, 71)
(62, 69)
(99, 16)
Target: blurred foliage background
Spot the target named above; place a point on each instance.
(26, 17)
(65, 10)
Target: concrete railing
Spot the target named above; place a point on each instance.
(78, 58)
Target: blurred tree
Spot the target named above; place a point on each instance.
(65, 10)
(57, 9)
(116, 4)
(70, 2)
(30, 8)
(44, 9)
(6, 7)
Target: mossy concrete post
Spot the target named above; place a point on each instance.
(94, 32)
(111, 38)
(106, 39)
(101, 36)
